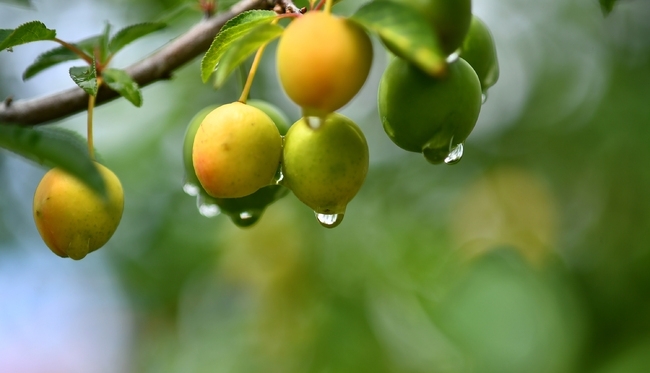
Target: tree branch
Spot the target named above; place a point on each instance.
(156, 67)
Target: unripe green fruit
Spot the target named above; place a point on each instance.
(323, 61)
(236, 151)
(449, 19)
(325, 167)
(71, 218)
(420, 112)
(244, 211)
(480, 51)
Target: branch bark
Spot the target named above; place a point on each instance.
(158, 66)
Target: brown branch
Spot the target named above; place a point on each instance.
(287, 6)
(158, 66)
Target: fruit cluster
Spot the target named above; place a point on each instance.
(435, 114)
(240, 157)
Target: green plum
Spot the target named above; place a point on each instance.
(425, 114)
(325, 167)
(479, 50)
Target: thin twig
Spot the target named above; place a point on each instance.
(287, 6)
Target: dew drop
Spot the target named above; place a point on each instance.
(246, 218)
(279, 176)
(329, 220)
(455, 155)
(314, 122)
(190, 188)
(484, 97)
(207, 208)
(453, 57)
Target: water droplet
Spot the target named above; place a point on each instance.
(314, 122)
(453, 57)
(455, 155)
(484, 97)
(279, 176)
(246, 218)
(329, 220)
(207, 208)
(190, 188)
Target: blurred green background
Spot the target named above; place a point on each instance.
(530, 255)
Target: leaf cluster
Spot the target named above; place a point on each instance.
(57, 147)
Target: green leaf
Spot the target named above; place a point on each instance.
(102, 52)
(242, 48)
(131, 33)
(606, 6)
(4, 33)
(58, 55)
(119, 81)
(26, 33)
(86, 78)
(53, 147)
(234, 29)
(405, 32)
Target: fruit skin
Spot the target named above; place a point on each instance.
(254, 204)
(236, 151)
(449, 19)
(71, 218)
(325, 167)
(479, 50)
(323, 61)
(418, 111)
(277, 116)
(188, 145)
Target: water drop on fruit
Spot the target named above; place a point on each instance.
(329, 220)
(190, 188)
(455, 155)
(484, 97)
(246, 218)
(453, 57)
(279, 176)
(314, 122)
(207, 207)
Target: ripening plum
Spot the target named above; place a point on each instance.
(244, 211)
(72, 219)
(236, 151)
(325, 167)
(323, 61)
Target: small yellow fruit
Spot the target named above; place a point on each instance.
(323, 61)
(325, 167)
(237, 151)
(71, 218)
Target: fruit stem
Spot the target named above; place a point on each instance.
(89, 126)
(73, 48)
(251, 75)
(328, 6)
